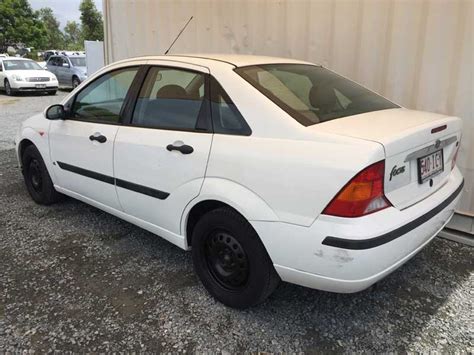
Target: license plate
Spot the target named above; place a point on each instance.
(430, 165)
(40, 86)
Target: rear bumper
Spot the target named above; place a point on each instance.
(348, 255)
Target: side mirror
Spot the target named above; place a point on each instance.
(66, 65)
(55, 112)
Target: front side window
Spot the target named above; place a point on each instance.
(21, 65)
(102, 100)
(54, 61)
(312, 94)
(170, 98)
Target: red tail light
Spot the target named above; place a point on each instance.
(362, 195)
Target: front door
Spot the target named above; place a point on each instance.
(82, 145)
(62, 70)
(160, 157)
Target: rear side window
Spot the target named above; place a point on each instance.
(312, 94)
(170, 98)
(226, 118)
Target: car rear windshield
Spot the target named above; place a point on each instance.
(78, 62)
(312, 94)
(21, 65)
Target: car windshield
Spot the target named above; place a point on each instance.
(312, 94)
(78, 62)
(21, 65)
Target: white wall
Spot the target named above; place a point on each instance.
(94, 56)
(418, 53)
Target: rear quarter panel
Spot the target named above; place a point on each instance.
(295, 178)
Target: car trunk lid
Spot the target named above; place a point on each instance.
(407, 137)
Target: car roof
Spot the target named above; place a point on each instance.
(68, 56)
(241, 60)
(236, 60)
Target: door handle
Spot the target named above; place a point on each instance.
(98, 137)
(184, 149)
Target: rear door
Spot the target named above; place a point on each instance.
(82, 146)
(160, 156)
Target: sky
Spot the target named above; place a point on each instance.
(65, 10)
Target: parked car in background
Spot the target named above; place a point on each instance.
(70, 70)
(21, 74)
(267, 168)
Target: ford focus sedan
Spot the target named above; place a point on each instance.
(25, 75)
(268, 169)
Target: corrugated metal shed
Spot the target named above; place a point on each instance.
(418, 53)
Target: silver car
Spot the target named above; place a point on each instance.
(70, 70)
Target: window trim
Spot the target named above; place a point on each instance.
(204, 116)
(127, 97)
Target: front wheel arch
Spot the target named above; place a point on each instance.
(5, 82)
(21, 149)
(75, 78)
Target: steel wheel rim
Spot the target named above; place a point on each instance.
(8, 88)
(35, 176)
(226, 260)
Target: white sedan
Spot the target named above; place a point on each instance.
(269, 169)
(25, 75)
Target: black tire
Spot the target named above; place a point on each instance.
(37, 179)
(75, 82)
(52, 93)
(8, 89)
(231, 261)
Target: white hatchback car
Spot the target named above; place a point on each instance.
(25, 75)
(268, 168)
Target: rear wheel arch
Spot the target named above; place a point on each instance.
(198, 211)
(231, 260)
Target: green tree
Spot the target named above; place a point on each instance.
(73, 36)
(20, 24)
(91, 21)
(55, 38)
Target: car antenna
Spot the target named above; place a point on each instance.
(179, 34)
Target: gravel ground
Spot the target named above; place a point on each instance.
(73, 278)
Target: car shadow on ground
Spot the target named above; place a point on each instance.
(104, 275)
